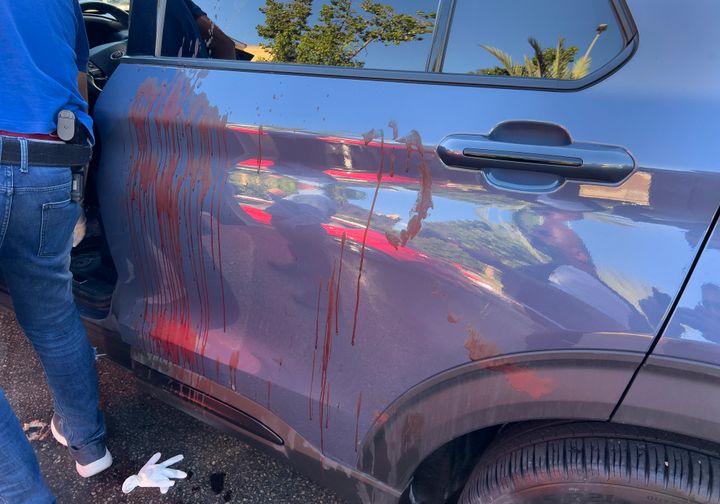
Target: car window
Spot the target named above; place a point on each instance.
(123, 4)
(551, 39)
(387, 34)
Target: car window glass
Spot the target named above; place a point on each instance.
(386, 34)
(553, 39)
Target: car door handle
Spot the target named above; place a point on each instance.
(586, 162)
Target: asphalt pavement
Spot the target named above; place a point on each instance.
(221, 468)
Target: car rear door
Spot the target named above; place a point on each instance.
(321, 238)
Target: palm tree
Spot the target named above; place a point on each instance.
(553, 63)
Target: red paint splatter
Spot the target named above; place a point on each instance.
(452, 318)
(317, 336)
(424, 201)
(339, 278)
(358, 406)
(521, 379)
(380, 419)
(177, 174)
(327, 349)
(477, 347)
(528, 381)
(368, 136)
(259, 153)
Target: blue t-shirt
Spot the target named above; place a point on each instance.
(43, 45)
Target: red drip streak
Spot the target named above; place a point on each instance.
(364, 240)
(317, 336)
(259, 156)
(327, 349)
(357, 420)
(179, 161)
(337, 290)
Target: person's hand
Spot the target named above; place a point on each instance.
(79, 231)
(155, 475)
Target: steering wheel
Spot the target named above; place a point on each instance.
(102, 8)
(107, 27)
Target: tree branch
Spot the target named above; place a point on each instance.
(365, 44)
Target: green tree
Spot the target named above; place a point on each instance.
(340, 34)
(284, 25)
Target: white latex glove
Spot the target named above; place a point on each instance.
(79, 231)
(155, 475)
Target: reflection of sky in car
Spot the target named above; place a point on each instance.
(500, 23)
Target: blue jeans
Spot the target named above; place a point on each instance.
(36, 224)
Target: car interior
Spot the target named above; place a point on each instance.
(93, 271)
(107, 27)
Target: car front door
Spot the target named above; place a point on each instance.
(319, 230)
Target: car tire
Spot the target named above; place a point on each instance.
(594, 462)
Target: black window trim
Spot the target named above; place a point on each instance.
(435, 60)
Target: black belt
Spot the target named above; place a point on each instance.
(44, 152)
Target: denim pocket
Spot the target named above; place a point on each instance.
(58, 222)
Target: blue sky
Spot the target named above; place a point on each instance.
(505, 24)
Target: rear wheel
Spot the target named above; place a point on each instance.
(593, 462)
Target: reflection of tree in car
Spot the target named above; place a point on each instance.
(340, 33)
(550, 63)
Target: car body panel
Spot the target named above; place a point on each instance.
(296, 238)
(678, 387)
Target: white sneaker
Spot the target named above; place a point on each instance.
(86, 470)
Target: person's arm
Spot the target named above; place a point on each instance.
(220, 45)
(82, 79)
(82, 52)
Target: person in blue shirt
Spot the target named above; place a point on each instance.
(187, 32)
(44, 58)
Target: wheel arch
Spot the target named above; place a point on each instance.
(481, 396)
